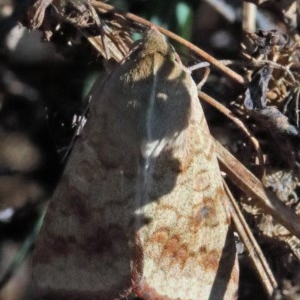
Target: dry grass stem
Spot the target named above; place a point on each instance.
(256, 255)
(249, 184)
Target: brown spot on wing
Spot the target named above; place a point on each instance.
(208, 260)
(146, 292)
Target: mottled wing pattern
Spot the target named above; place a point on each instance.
(139, 209)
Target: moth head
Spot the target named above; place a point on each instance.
(154, 42)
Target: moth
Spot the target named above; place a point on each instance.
(139, 210)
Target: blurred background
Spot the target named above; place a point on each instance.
(43, 88)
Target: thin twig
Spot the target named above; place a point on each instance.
(224, 110)
(230, 73)
(253, 62)
(256, 255)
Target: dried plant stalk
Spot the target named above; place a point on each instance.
(256, 255)
(247, 182)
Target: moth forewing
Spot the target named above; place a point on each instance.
(139, 208)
